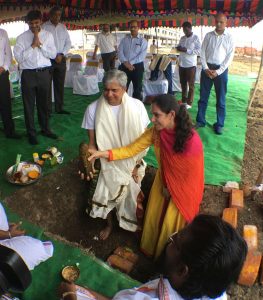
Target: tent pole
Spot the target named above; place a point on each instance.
(156, 36)
(257, 82)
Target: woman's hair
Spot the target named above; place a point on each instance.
(115, 75)
(214, 254)
(183, 122)
(33, 15)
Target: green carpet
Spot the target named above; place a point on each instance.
(94, 273)
(223, 154)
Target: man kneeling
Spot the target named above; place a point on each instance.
(112, 121)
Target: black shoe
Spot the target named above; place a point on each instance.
(32, 140)
(49, 134)
(63, 112)
(198, 125)
(13, 136)
(217, 129)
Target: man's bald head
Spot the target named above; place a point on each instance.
(221, 22)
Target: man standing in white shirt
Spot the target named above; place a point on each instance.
(108, 48)
(33, 50)
(189, 47)
(63, 45)
(5, 98)
(132, 53)
(216, 55)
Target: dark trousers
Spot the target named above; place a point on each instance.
(35, 89)
(187, 80)
(5, 104)
(136, 77)
(108, 60)
(220, 83)
(169, 76)
(58, 75)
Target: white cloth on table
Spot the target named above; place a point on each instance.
(100, 75)
(85, 84)
(31, 250)
(159, 86)
(75, 66)
(151, 290)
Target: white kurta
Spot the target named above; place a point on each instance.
(116, 187)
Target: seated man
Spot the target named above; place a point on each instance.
(116, 120)
(33, 251)
(200, 262)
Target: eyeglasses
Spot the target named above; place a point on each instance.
(171, 238)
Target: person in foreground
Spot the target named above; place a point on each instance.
(200, 262)
(178, 186)
(115, 120)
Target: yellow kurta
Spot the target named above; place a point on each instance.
(162, 217)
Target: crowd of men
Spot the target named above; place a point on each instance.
(41, 50)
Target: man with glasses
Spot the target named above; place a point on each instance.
(132, 53)
(199, 262)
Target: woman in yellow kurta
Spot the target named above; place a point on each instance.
(178, 186)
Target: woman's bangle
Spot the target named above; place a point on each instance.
(9, 233)
(68, 293)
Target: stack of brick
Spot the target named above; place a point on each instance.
(252, 263)
(123, 259)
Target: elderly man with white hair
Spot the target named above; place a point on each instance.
(115, 120)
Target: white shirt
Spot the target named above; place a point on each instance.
(29, 58)
(193, 45)
(149, 291)
(60, 35)
(217, 49)
(90, 113)
(132, 49)
(106, 42)
(5, 50)
(153, 49)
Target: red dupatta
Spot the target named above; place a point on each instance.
(183, 173)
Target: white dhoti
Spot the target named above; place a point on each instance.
(115, 187)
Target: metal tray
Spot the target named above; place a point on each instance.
(30, 166)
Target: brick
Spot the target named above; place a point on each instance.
(120, 263)
(250, 268)
(127, 253)
(250, 234)
(236, 199)
(230, 216)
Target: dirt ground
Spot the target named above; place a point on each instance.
(57, 201)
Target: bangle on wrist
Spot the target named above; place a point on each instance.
(64, 295)
(9, 234)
